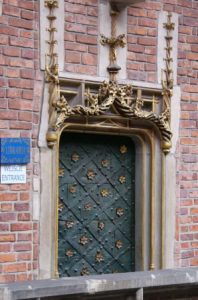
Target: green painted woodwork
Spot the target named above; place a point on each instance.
(96, 205)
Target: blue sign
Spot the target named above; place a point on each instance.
(14, 151)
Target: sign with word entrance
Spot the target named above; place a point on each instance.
(14, 155)
(11, 174)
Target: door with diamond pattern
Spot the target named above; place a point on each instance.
(96, 222)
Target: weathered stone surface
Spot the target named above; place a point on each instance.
(142, 285)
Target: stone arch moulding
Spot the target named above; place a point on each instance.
(148, 197)
(150, 184)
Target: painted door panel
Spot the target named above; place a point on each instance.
(96, 205)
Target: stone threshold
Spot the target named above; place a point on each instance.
(162, 284)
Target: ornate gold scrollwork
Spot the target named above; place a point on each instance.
(110, 95)
(112, 99)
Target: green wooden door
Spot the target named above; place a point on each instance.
(96, 205)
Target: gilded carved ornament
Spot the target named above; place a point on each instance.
(113, 42)
(111, 96)
(167, 73)
(51, 3)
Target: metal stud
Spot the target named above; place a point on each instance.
(88, 206)
(84, 240)
(123, 149)
(122, 179)
(90, 174)
(72, 189)
(120, 212)
(101, 225)
(99, 257)
(105, 163)
(84, 272)
(75, 157)
(104, 193)
(69, 224)
(69, 253)
(60, 206)
(119, 244)
(61, 172)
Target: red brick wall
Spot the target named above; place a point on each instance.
(142, 41)
(21, 84)
(81, 36)
(187, 209)
(20, 93)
